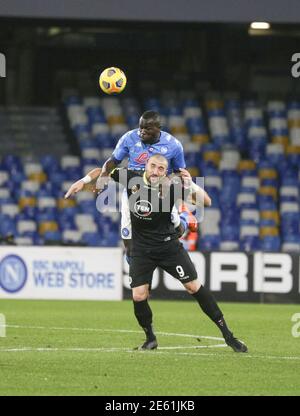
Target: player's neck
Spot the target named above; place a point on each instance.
(153, 141)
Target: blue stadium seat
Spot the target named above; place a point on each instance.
(73, 173)
(209, 243)
(49, 214)
(270, 243)
(267, 223)
(250, 243)
(52, 236)
(30, 212)
(93, 240)
(12, 163)
(57, 178)
(49, 163)
(230, 232)
(8, 227)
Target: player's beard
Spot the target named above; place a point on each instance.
(154, 180)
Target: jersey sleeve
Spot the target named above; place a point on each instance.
(120, 175)
(178, 161)
(121, 149)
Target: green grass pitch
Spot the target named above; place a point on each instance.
(86, 348)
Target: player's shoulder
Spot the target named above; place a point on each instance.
(170, 140)
(131, 135)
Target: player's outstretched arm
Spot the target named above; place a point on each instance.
(198, 195)
(81, 183)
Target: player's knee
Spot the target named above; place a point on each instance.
(193, 286)
(140, 295)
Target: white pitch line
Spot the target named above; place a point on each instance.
(246, 355)
(54, 328)
(110, 349)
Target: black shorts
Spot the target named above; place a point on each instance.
(178, 264)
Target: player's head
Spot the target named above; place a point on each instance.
(149, 125)
(156, 168)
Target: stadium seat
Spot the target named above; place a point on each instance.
(229, 246)
(93, 239)
(270, 243)
(250, 243)
(209, 242)
(46, 226)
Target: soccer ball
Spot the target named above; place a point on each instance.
(112, 80)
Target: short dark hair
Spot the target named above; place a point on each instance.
(152, 115)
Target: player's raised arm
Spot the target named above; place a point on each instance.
(79, 185)
(198, 195)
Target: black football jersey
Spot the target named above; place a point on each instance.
(150, 209)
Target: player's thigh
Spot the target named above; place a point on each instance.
(180, 266)
(141, 271)
(126, 232)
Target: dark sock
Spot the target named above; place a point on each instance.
(209, 306)
(143, 314)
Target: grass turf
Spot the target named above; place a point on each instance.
(80, 352)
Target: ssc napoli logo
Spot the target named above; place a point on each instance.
(13, 273)
(125, 232)
(164, 150)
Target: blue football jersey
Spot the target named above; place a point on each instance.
(130, 145)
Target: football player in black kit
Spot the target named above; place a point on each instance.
(155, 243)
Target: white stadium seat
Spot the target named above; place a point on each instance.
(23, 241)
(100, 128)
(289, 207)
(91, 153)
(289, 191)
(85, 196)
(214, 181)
(229, 246)
(10, 209)
(69, 161)
(46, 202)
(72, 235)
(250, 214)
(4, 177)
(246, 198)
(250, 182)
(26, 225)
(31, 186)
(248, 230)
(291, 247)
(30, 168)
